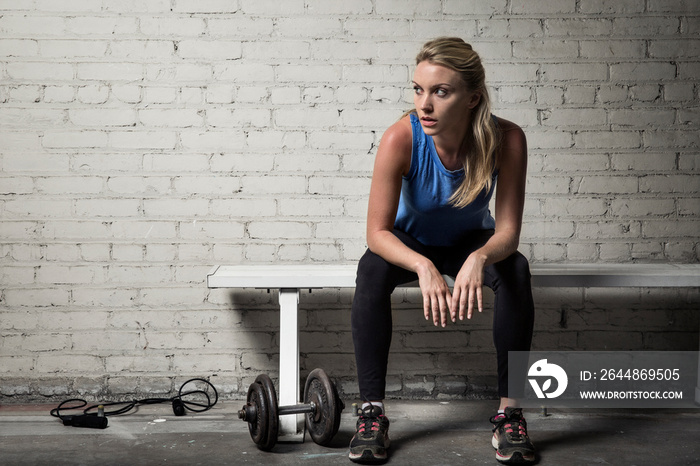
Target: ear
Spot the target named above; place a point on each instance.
(474, 100)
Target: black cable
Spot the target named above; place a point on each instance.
(180, 403)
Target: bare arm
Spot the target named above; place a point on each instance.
(510, 200)
(392, 162)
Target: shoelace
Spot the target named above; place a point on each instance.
(366, 418)
(373, 428)
(514, 426)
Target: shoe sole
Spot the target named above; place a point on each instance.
(369, 454)
(515, 458)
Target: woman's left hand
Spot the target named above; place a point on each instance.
(468, 287)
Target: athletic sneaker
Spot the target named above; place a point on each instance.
(510, 439)
(371, 442)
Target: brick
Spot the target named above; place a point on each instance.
(38, 71)
(579, 26)
(159, 95)
(511, 73)
(61, 94)
(172, 26)
(562, 163)
(642, 117)
(176, 208)
(611, 6)
(575, 72)
(606, 184)
(36, 297)
(674, 48)
(134, 185)
(273, 184)
(670, 138)
(109, 71)
(473, 7)
(27, 25)
(645, 26)
(101, 26)
(31, 207)
(580, 117)
(73, 48)
(19, 48)
(607, 139)
(654, 162)
(621, 49)
(550, 49)
(546, 6)
(579, 207)
(142, 139)
(642, 207)
(93, 95)
(127, 252)
(370, 27)
(102, 117)
(137, 229)
(16, 185)
(512, 27)
(668, 184)
(297, 162)
(220, 231)
(270, 230)
(223, 117)
(81, 364)
(645, 71)
(189, 73)
(215, 49)
(410, 8)
(678, 6)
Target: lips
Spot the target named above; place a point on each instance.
(427, 121)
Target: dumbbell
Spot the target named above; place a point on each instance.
(322, 407)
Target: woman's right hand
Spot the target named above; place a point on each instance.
(436, 294)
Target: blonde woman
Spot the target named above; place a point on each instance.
(435, 172)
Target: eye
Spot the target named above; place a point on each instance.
(440, 92)
(417, 89)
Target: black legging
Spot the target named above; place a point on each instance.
(513, 313)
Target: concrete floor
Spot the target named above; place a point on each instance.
(422, 433)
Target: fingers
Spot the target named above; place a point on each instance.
(467, 297)
(436, 305)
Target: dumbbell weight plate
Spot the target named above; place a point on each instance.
(258, 426)
(272, 416)
(324, 423)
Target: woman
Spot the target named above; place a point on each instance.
(434, 174)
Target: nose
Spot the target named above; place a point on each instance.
(425, 103)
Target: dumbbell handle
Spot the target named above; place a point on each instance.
(297, 409)
(248, 412)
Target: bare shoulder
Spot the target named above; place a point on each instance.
(512, 133)
(513, 143)
(396, 145)
(399, 135)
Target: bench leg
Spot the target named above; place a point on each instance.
(697, 387)
(291, 427)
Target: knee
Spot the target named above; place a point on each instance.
(520, 265)
(372, 270)
(514, 270)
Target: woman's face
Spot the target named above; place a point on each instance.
(442, 100)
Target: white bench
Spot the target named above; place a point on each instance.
(289, 279)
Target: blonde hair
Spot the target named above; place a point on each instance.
(482, 141)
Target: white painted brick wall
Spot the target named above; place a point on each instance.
(143, 142)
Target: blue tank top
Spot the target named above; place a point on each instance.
(424, 209)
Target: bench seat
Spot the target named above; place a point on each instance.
(310, 276)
